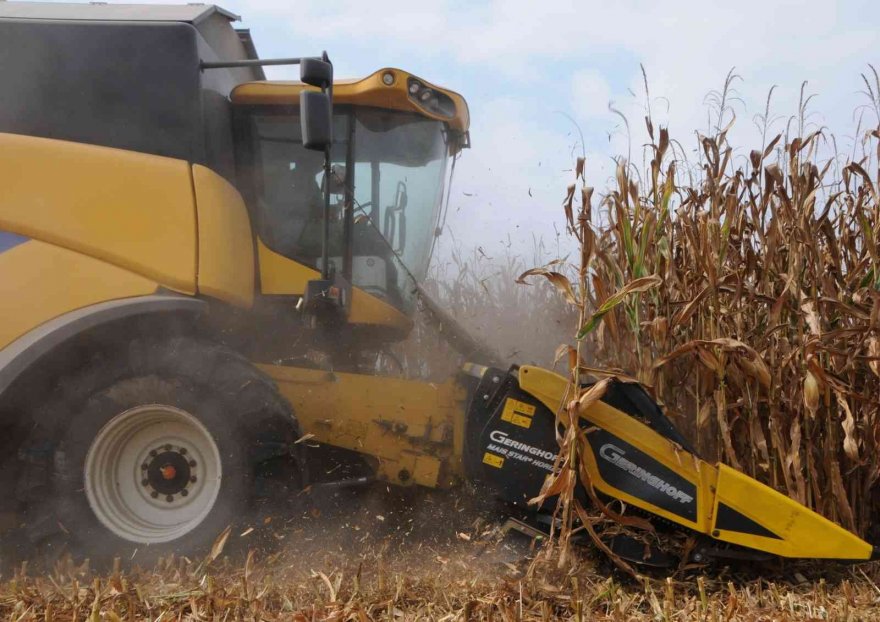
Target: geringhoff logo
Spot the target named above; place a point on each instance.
(615, 455)
(502, 439)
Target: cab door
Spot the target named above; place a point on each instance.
(285, 187)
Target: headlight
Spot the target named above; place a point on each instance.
(431, 101)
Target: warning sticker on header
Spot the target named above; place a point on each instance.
(518, 413)
(493, 460)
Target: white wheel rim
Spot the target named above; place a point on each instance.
(152, 474)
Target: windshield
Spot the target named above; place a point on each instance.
(394, 163)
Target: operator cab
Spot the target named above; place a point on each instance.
(393, 137)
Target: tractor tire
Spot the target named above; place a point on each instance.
(156, 451)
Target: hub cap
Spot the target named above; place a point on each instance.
(152, 474)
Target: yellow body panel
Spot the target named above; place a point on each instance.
(411, 428)
(39, 281)
(801, 532)
(226, 248)
(548, 387)
(129, 209)
(280, 275)
(369, 91)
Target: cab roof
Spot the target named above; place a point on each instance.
(80, 11)
(372, 90)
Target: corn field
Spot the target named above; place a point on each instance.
(748, 297)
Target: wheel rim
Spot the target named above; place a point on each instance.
(152, 474)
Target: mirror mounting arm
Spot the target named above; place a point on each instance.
(316, 115)
(256, 62)
(327, 87)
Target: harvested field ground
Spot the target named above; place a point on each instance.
(426, 557)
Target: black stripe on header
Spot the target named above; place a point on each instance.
(729, 519)
(634, 472)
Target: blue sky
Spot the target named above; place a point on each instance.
(526, 66)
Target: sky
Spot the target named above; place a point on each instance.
(539, 74)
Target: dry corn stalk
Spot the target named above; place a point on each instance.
(748, 297)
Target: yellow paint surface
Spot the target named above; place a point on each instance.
(369, 91)
(39, 282)
(408, 426)
(128, 209)
(803, 533)
(226, 249)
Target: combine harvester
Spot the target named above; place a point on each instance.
(198, 267)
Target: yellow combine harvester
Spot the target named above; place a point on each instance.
(198, 267)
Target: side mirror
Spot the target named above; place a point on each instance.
(316, 72)
(316, 120)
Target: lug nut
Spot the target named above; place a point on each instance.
(183, 451)
(145, 482)
(169, 498)
(145, 466)
(184, 492)
(193, 479)
(154, 494)
(192, 463)
(153, 453)
(167, 447)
